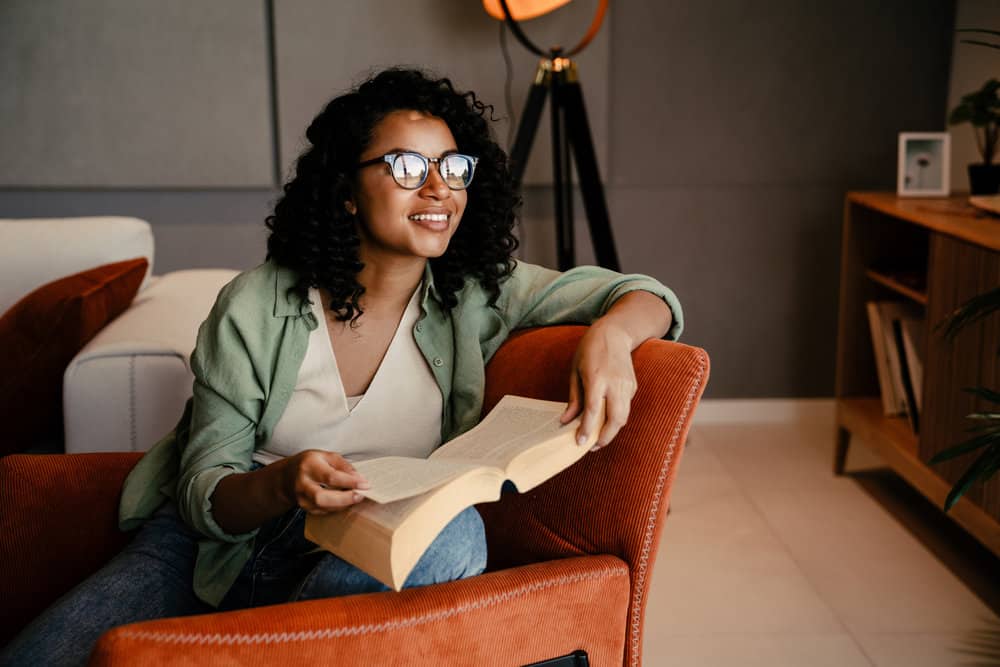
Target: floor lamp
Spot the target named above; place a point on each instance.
(557, 75)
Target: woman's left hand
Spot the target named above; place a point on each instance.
(601, 373)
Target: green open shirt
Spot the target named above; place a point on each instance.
(246, 363)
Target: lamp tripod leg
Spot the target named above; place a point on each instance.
(529, 125)
(578, 131)
(562, 181)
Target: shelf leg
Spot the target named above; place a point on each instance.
(840, 450)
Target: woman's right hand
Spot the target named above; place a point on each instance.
(320, 482)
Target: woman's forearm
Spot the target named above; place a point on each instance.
(244, 501)
(641, 315)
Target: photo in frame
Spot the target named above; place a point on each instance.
(924, 164)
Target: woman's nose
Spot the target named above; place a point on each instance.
(435, 185)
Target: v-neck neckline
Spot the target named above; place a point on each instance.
(342, 392)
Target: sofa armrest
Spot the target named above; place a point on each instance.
(612, 500)
(127, 387)
(59, 524)
(514, 617)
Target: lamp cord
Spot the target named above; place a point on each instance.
(508, 99)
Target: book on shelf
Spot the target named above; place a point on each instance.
(412, 499)
(897, 340)
(892, 404)
(908, 388)
(913, 336)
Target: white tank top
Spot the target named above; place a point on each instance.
(399, 414)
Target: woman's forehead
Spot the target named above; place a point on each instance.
(411, 130)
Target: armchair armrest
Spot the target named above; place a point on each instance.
(128, 385)
(515, 617)
(59, 524)
(612, 501)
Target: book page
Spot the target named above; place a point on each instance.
(515, 425)
(395, 478)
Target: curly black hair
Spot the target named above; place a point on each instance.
(312, 233)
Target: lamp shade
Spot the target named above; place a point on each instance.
(522, 10)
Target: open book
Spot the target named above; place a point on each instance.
(411, 500)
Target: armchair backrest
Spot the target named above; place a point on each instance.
(613, 501)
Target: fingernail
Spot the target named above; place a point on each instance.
(581, 440)
(364, 484)
(358, 497)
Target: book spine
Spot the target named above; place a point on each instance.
(911, 401)
(892, 353)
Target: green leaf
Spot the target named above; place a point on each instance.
(984, 416)
(983, 392)
(976, 308)
(982, 31)
(979, 43)
(970, 445)
(970, 476)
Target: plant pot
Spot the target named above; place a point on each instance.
(984, 179)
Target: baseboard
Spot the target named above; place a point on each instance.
(764, 410)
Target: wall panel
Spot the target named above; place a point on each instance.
(138, 93)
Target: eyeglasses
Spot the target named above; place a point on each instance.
(410, 170)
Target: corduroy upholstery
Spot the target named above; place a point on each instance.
(570, 561)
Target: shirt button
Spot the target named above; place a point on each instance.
(419, 327)
(438, 361)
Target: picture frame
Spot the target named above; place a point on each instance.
(924, 164)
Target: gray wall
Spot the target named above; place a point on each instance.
(727, 133)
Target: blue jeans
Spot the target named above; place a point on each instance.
(152, 578)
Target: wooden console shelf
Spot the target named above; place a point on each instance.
(946, 252)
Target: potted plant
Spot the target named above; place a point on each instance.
(982, 109)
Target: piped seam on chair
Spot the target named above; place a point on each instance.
(354, 630)
(640, 579)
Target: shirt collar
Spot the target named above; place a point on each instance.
(286, 302)
(430, 291)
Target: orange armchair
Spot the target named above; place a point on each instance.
(569, 561)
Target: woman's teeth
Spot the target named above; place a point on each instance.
(433, 217)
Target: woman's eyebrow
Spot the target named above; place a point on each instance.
(398, 149)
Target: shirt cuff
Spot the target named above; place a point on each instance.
(198, 503)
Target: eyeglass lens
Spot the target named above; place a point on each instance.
(410, 170)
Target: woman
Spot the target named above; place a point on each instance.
(388, 286)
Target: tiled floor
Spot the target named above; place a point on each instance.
(768, 559)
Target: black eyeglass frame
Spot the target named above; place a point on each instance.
(390, 158)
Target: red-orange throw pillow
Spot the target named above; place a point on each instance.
(41, 334)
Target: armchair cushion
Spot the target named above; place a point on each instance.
(42, 332)
(58, 525)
